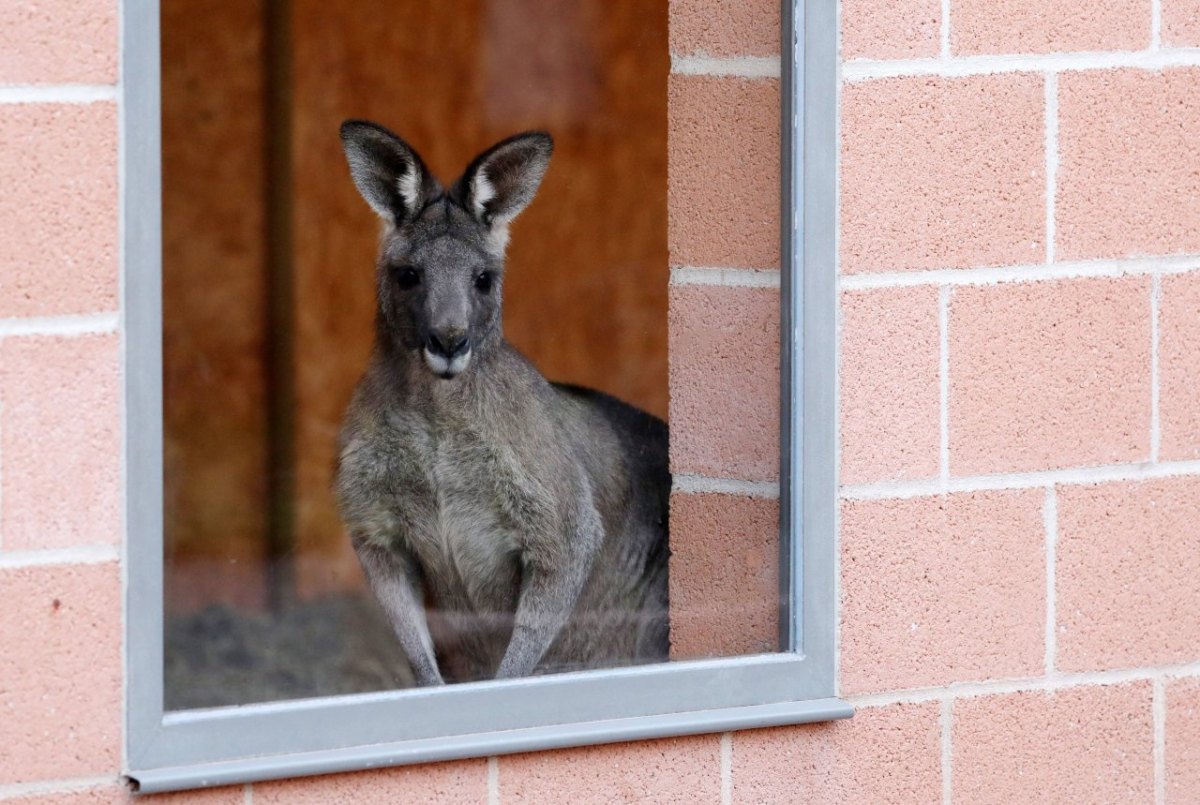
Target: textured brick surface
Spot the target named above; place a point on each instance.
(1045, 26)
(120, 795)
(724, 575)
(1128, 560)
(1181, 23)
(1049, 374)
(889, 385)
(58, 41)
(58, 212)
(457, 782)
(1086, 744)
(60, 672)
(941, 589)
(1179, 367)
(883, 754)
(60, 460)
(902, 29)
(1129, 163)
(676, 770)
(1183, 741)
(723, 172)
(724, 348)
(922, 186)
(725, 27)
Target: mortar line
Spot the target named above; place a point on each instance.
(1160, 741)
(1155, 24)
(1037, 272)
(1057, 681)
(726, 768)
(1, 475)
(962, 66)
(493, 780)
(68, 785)
(1155, 412)
(735, 277)
(699, 484)
(247, 794)
(737, 66)
(47, 557)
(1050, 523)
(1025, 480)
(58, 93)
(82, 324)
(1051, 80)
(947, 725)
(944, 388)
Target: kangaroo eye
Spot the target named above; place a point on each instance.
(408, 277)
(483, 282)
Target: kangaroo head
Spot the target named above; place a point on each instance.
(440, 273)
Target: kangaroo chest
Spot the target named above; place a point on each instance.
(466, 539)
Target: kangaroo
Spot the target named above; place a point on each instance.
(508, 525)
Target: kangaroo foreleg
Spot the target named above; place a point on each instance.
(393, 576)
(549, 591)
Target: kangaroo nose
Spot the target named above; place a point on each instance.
(449, 344)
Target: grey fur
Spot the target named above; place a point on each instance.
(507, 524)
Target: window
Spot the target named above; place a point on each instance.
(183, 730)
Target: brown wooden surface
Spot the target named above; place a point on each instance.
(586, 291)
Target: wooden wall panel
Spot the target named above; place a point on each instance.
(213, 301)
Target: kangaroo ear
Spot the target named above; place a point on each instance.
(503, 179)
(386, 170)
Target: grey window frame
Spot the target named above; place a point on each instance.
(186, 749)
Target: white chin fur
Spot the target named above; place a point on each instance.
(442, 367)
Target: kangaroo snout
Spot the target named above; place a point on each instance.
(447, 352)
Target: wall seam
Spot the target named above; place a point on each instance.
(735, 67)
(944, 32)
(944, 389)
(493, 780)
(58, 93)
(1050, 523)
(51, 557)
(732, 277)
(1155, 392)
(701, 485)
(1109, 473)
(1155, 24)
(1037, 272)
(1051, 81)
(1058, 681)
(69, 325)
(726, 768)
(69, 785)
(947, 754)
(1160, 741)
(964, 66)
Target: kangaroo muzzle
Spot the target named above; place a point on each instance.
(447, 353)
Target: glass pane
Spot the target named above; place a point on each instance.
(476, 494)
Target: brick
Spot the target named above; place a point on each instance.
(942, 589)
(901, 29)
(1129, 163)
(725, 27)
(60, 447)
(724, 381)
(455, 782)
(883, 754)
(1087, 744)
(1047, 26)
(1126, 568)
(1181, 23)
(723, 172)
(60, 693)
(922, 186)
(674, 770)
(58, 42)
(1049, 374)
(890, 396)
(1179, 367)
(1183, 740)
(120, 795)
(724, 575)
(58, 214)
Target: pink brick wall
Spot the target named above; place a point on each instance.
(1019, 427)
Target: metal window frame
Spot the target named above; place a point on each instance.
(186, 749)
